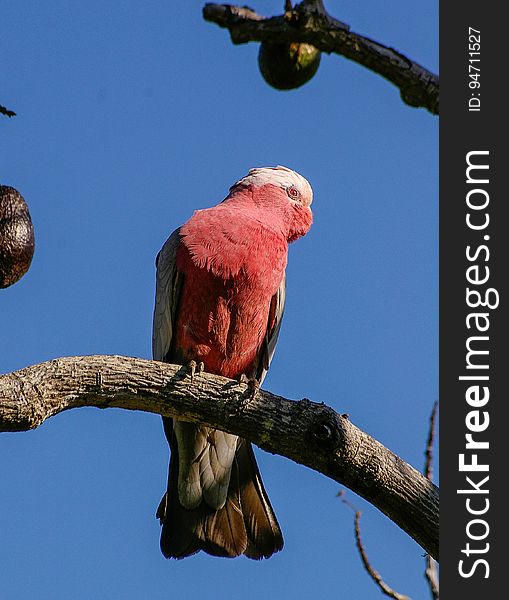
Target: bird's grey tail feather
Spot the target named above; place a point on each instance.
(245, 525)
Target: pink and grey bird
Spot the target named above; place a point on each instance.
(220, 294)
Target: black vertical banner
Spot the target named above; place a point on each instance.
(474, 269)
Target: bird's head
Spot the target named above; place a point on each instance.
(292, 183)
(280, 197)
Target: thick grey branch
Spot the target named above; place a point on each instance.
(310, 434)
(310, 23)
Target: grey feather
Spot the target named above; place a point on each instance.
(168, 285)
(276, 312)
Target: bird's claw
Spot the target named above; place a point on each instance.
(253, 386)
(195, 368)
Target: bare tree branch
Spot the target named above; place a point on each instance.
(308, 433)
(373, 573)
(431, 568)
(6, 112)
(428, 463)
(432, 577)
(310, 23)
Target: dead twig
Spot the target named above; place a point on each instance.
(431, 566)
(7, 112)
(373, 573)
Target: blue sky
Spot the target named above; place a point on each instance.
(130, 116)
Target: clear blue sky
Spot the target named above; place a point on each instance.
(130, 116)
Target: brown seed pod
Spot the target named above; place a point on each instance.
(288, 66)
(16, 236)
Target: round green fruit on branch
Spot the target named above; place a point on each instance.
(288, 66)
(16, 236)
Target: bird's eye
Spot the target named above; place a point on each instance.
(293, 192)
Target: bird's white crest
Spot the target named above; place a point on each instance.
(280, 176)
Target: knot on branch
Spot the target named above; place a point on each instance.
(326, 431)
(311, 14)
(422, 93)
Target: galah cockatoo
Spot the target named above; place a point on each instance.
(220, 294)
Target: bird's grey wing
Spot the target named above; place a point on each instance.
(204, 468)
(277, 306)
(168, 287)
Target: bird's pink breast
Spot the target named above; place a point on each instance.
(232, 268)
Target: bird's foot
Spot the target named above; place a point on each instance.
(253, 387)
(244, 379)
(253, 384)
(195, 368)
